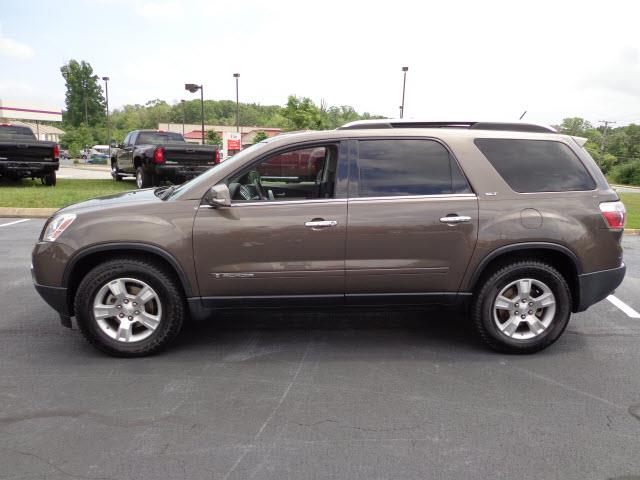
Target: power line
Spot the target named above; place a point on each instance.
(604, 134)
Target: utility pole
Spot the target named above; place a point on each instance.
(604, 134)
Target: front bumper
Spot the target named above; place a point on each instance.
(596, 286)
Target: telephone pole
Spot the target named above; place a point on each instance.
(604, 134)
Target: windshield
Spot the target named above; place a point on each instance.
(158, 138)
(14, 132)
(205, 178)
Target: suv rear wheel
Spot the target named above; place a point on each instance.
(522, 308)
(129, 308)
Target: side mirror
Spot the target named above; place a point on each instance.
(218, 196)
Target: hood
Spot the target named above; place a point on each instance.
(118, 199)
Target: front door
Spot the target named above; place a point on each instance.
(283, 238)
(412, 223)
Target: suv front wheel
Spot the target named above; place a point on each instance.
(522, 308)
(129, 308)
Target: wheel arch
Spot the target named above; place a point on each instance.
(558, 256)
(86, 259)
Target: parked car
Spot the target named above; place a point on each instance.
(154, 156)
(514, 222)
(98, 159)
(23, 156)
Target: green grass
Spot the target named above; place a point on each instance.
(32, 194)
(632, 203)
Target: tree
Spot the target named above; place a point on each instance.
(259, 136)
(76, 139)
(303, 114)
(84, 100)
(575, 126)
(213, 138)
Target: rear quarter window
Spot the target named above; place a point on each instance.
(531, 166)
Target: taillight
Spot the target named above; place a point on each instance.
(158, 155)
(56, 151)
(614, 213)
(216, 157)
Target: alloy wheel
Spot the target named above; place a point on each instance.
(524, 309)
(127, 310)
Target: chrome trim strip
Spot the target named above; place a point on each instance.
(413, 197)
(289, 202)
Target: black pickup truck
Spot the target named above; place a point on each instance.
(153, 156)
(23, 156)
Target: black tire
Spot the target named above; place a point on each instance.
(157, 277)
(144, 178)
(49, 179)
(482, 312)
(115, 171)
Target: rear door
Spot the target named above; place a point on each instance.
(412, 222)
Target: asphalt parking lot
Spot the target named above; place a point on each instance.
(319, 395)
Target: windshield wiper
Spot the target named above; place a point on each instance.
(164, 192)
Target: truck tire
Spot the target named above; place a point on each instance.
(128, 307)
(522, 308)
(144, 179)
(115, 171)
(49, 179)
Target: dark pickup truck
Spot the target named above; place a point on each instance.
(23, 156)
(154, 156)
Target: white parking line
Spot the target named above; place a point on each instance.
(13, 223)
(630, 312)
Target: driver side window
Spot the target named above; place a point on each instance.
(301, 174)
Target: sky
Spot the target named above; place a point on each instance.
(468, 60)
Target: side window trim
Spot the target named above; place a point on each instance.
(354, 173)
(341, 180)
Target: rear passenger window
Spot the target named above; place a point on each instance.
(407, 167)
(530, 166)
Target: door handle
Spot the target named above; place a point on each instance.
(321, 223)
(455, 219)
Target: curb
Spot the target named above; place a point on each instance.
(27, 212)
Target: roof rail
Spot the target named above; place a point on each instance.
(500, 126)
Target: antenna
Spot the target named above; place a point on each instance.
(523, 114)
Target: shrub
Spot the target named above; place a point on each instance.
(627, 173)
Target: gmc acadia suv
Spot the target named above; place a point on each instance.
(514, 221)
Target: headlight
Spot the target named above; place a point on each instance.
(58, 225)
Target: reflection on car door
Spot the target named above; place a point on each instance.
(412, 223)
(270, 251)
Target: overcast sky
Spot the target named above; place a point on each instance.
(467, 60)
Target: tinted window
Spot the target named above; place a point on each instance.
(407, 167)
(536, 165)
(158, 138)
(15, 132)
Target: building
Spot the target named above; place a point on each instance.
(193, 134)
(30, 115)
(42, 132)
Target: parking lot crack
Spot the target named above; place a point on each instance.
(364, 429)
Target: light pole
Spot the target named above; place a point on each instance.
(106, 90)
(237, 76)
(184, 115)
(193, 88)
(404, 84)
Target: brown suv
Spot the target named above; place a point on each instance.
(513, 220)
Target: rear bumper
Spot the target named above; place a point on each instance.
(27, 168)
(597, 286)
(183, 171)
